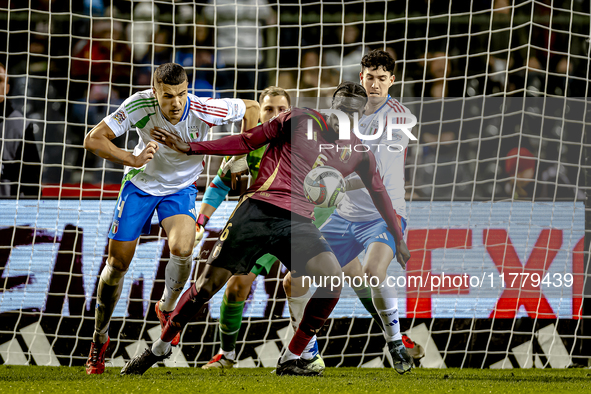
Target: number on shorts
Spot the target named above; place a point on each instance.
(120, 208)
(225, 233)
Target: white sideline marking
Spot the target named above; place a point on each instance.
(177, 359)
(503, 364)
(268, 353)
(553, 347)
(375, 363)
(246, 363)
(39, 346)
(524, 354)
(12, 353)
(285, 334)
(420, 334)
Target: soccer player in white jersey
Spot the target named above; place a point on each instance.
(356, 224)
(159, 179)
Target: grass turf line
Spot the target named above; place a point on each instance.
(17, 379)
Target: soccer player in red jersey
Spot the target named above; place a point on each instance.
(274, 216)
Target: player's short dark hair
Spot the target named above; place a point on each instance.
(170, 74)
(350, 89)
(378, 58)
(274, 91)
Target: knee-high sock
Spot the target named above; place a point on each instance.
(364, 294)
(317, 311)
(297, 305)
(386, 302)
(230, 322)
(178, 271)
(190, 304)
(108, 294)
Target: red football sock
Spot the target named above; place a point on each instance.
(187, 308)
(317, 311)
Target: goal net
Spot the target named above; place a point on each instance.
(496, 183)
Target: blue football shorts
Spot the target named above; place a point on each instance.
(347, 239)
(135, 208)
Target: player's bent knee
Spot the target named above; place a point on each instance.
(374, 272)
(207, 290)
(353, 271)
(185, 251)
(121, 253)
(323, 264)
(287, 284)
(332, 270)
(238, 289)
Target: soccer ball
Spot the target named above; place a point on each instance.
(324, 187)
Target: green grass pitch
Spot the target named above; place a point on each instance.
(62, 380)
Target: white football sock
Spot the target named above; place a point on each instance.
(386, 302)
(231, 355)
(297, 305)
(288, 356)
(160, 348)
(178, 271)
(306, 354)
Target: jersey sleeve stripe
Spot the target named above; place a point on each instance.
(143, 106)
(140, 102)
(206, 122)
(209, 111)
(222, 111)
(396, 107)
(206, 112)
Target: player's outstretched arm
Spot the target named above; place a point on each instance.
(231, 146)
(98, 141)
(172, 141)
(372, 179)
(239, 144)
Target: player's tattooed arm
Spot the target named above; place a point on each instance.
(98, 141)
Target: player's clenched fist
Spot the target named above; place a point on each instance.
(170, 140)
(146, 155)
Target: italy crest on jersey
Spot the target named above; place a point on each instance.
(193, 132)
(115, 226)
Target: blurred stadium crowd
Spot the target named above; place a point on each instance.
(499, 90)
